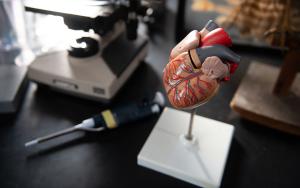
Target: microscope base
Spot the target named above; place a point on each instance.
(200, 161)
(99, 77)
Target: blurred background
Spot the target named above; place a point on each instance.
(64, 61)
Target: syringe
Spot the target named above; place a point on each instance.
(110, 119)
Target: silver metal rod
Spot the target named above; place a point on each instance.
(189, 135)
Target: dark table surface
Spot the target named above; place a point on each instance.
(259, 156)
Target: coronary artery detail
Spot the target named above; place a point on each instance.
(186, 86)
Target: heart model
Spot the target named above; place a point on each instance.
(197, 65)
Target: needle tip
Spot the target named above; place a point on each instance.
(31, 143)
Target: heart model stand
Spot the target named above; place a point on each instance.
(198, 157)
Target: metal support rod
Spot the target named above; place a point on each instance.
(189, 135)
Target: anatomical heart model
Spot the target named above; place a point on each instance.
(197, 66)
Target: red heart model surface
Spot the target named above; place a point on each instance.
(186, 86)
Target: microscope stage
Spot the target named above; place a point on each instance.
(98, 77)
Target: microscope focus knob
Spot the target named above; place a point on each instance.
(84, 47)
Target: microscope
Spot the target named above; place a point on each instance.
(100, 61)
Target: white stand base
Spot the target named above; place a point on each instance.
(200, 161)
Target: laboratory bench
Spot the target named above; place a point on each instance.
(258, 156)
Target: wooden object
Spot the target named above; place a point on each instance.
(255, 100)
(288, 73)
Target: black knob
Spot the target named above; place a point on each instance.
(84, 47)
